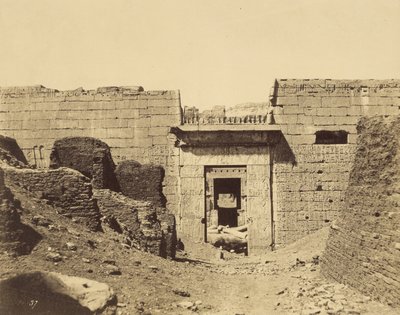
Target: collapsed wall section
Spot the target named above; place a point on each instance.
(145, 228)
(64, 188)
(311, 168)
(363, 248)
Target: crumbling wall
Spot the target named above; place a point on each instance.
(141, 182)
(310, 179)
(146, 227)
(64, 188)
(87, 155)
(15, 237)
(133, 122)
(363, 248)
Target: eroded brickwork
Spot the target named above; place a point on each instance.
(64, 188)
(363, 248)
(145, 228)
(310, 179)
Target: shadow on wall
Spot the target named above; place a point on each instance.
(282, 152)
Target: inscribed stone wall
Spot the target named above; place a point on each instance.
(363, 247)
(310, 185)
(133, 122)
(192, 191)
(64, 188)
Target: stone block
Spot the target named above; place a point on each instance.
(335, 101)
(140, 123)
(159, 131)
(191, 171)
(292, 109)
(159, 140)
(309, 101)
(119, 133)
(289, 119)
(302, 139)
(320, 121)
(286, 100)
(345, 120)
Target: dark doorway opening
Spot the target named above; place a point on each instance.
(227, 200)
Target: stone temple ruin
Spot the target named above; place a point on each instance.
(283, 169)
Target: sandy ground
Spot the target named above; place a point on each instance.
(271, 284)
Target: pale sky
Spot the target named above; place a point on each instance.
(217, 52)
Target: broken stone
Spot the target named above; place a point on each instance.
(41, 221)
(113, 270)
(85, 260)
(181, 292)
(55, 257)
(71, 246)
(185, 304)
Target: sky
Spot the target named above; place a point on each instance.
(216, 52)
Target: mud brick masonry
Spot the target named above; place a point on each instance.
(286, 171)
(363, 248)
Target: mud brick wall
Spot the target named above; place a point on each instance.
(363, 248)
(141, 182)
(310, 179)
(144, 227)
(64, 188)
(87, 155)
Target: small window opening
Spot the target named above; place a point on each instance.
(331, 137)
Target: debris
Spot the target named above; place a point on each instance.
(113, 270)
(55, 257)
(71, 246)
(41, 221)
(181, 292)
(185, 304)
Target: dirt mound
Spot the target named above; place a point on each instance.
(363, 245)
(87, 155)
(141, 182)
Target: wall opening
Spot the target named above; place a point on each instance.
(331, 137)
(227, 200)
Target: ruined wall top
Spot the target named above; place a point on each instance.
(112, 91)
(338, 87)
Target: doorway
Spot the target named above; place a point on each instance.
(227, 200)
